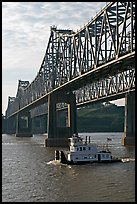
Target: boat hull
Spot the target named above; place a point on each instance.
(90, 162)
(60, 155)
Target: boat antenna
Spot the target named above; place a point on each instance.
(86, 139)
(89, 139)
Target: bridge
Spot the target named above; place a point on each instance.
(93, 64)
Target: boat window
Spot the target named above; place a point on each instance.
(84, 148)
(89, 148)
(85, 157)
(77, 149)
(95, 155)
(76, 157)
(80, 148)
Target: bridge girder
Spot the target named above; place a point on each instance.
(69, 55)
(110, 88)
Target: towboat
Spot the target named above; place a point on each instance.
(83, 151)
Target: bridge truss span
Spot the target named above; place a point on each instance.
(107, 89)
(95, 62)
(110, 88)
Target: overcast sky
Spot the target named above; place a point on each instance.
(25, 34)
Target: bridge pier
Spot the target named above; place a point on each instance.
(23, 125)
(129, 124)
(11, 125)
(58, 135)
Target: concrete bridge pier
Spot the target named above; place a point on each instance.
(129, 124)
(58, 135)
(23, 125)
(11, 125)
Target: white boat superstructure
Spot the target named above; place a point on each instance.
(81, 151)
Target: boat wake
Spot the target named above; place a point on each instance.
(55, 162)
(127, 160)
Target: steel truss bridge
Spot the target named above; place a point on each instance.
(96, 63)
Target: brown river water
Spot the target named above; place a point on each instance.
(29, 173)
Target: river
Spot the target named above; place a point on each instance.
(29, 173)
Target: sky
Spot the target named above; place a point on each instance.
(25, 34)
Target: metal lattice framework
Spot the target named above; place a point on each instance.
(89, 61)
(119, 84)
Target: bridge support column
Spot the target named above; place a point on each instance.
(129, 125)
(11, 125)
(58, 136)
(23, 125)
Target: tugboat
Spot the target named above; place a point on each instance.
(81, 152)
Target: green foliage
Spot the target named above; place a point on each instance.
(101, 119)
